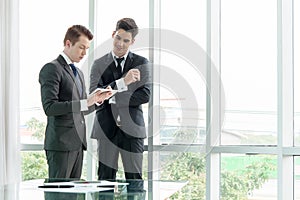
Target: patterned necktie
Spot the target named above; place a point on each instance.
(119, 67)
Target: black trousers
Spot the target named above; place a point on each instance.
(65, 164)
(131, 151)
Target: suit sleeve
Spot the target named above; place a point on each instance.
(92, 107)
(56, 98)
(94, 77)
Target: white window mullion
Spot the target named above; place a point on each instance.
(285, 97)
(91, 162)
(213, 100)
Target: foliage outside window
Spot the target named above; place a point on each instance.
(34, 165)
(236, 183)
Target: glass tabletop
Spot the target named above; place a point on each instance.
(62, 189)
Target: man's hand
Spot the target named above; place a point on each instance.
(98, 97)
(132, 76)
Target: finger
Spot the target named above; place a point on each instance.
(97, 93)
(135, 70)
(136, 73)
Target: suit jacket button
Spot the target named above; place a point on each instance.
(82, 121)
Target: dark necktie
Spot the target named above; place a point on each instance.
(119, 67)
(74, 69)
(77, 79)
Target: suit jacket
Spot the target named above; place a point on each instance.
(128, 103)
(66, 129)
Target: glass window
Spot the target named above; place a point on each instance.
(296, 177)
(184, 166)
(297, 72)
(248, 176)
(249, 71)
(182, 86)
(248, 67)
(43, 25)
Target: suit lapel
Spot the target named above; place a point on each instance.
(66, 67)
(128, 63)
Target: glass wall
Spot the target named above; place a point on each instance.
(182, 84)
(175, 36)
(43, 25)
(297, 72)
(249, 71)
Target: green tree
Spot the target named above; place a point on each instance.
(37, 127)
(34, 165)
(239, 183)
(235, 184)
(186, 166)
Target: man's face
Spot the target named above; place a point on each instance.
(77, 51)
(122, 41)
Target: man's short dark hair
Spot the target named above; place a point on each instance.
(128, 25)
(74, 32)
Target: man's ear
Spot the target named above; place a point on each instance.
(113, 34)
(68, 43)
(133, 40)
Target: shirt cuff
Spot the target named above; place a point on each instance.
(99, 103)
(112, 100)
(121, 85)
(83, 105)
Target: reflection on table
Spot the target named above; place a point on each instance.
(122, 190)
(94, 190)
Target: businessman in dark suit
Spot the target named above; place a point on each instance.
(119, 125)
(65, 102)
